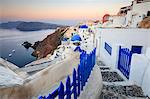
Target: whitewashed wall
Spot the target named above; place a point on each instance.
(140, 71)
(146, 81)
(117, 21)
(148, 53)
(146, 78)
(109, 60)
(98, 41)
(104, 55)
(148, 42)
(127, 37)
(83, 30)
(139, 64)
(124, 37)
(128, 18)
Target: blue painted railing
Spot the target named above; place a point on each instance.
(79, 78)
(108, 48)
(78, 49)
(124, 61)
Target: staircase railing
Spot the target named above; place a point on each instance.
(79, 78)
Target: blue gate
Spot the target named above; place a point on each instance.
(124, 61)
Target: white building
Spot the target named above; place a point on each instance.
(138, 13)
(115, 21)
(130, 16)
(127, 38)
(83, 29)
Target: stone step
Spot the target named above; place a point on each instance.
(110, 76)
(116, 86)
(104, 68)
(100, 63)
(122, 92)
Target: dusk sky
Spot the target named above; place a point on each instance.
(52, 10)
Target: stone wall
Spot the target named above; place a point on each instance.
(93, 87)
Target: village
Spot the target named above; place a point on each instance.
(120, 70)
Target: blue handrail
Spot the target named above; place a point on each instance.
(80, 77)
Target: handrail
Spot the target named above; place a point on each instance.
(79, 78)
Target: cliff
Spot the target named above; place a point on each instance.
(49, 44)
(145, 23)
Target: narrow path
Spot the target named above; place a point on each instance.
(117, 87)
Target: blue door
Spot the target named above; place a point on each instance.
(124, 61)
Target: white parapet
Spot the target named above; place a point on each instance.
(42, 81)
(93, 87)
(146, 81)
(140, 72)
(139, 64)
(8, 78)
(148, 53)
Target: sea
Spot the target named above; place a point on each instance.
(11, 48)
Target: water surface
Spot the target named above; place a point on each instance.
(12, 39)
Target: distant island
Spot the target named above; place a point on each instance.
(28, 26)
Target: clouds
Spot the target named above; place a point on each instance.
(60, 9)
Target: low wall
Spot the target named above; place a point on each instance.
(148, 53)
(42, 81)
(146, 81)
(139, 64)
(12, 67)
(93, 87)
(146, 78)
(140, 72)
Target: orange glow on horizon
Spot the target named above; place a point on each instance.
(90, 12)
(53, 14)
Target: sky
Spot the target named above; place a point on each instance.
(62, 10)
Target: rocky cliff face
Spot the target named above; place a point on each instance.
(145, 23)
(49, 44)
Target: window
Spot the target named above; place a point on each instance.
(148, 13)
(108, 48)
(136, 49)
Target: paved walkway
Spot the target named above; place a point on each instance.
(116, 86)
